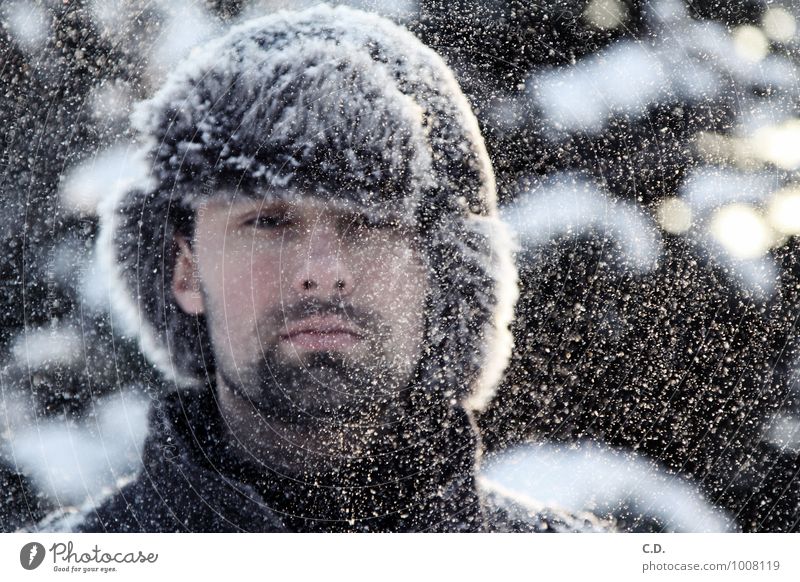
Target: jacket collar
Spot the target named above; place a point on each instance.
(428, 485)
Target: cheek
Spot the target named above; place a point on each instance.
(391, 270)
(396, 284)
(242, 285)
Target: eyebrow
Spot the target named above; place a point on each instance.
(258, 206)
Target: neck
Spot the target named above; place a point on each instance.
(415, 477)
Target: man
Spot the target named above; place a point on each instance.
(316, 267)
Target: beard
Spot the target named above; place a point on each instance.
(321, 387)
(324, 388)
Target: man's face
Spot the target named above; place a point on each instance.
(316, 313)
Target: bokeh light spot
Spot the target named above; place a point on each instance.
(674, 215)
(741, 231)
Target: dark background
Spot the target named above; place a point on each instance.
(686, 362)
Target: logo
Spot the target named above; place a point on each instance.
(31, 555)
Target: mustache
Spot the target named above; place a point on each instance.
(364, 319)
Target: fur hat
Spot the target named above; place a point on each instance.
(342, 105)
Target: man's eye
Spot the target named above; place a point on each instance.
(271, 220)
(362, 222)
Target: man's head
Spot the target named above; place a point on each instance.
(315, 311)
(319, 229)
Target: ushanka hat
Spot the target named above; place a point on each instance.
(337, 104)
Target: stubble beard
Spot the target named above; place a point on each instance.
(325, 416)
(322, 392)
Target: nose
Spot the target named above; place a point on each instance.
(323, 269)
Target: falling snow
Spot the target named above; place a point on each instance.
(645, 156)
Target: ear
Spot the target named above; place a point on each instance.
(185, 280)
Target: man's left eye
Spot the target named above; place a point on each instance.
(362, 222)
(268, 221)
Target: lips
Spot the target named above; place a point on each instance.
(322, 333)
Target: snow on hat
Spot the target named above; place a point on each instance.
(342, 105)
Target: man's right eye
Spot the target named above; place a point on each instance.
(270, 220)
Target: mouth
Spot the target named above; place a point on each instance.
(321, 333)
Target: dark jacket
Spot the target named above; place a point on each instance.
(191, 481)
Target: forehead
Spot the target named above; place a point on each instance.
(301, 204)
(223, 204)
